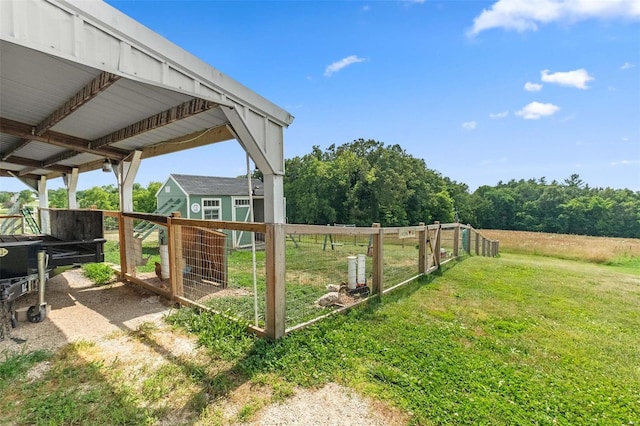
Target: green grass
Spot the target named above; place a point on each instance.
(309, 270)
(511, 340)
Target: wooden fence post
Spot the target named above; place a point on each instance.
(129, 264)
(497, 247)
(122, 245)
(275, 263)
(174, 235)
(484, 246)
(477, 242)
(436, 249)
(456, 239)
(422, 249)
(378, 257)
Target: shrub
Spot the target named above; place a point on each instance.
(99, 273)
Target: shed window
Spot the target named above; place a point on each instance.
(241, 202)
(211, 209)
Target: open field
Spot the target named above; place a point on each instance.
(605, 250)
(517, 339)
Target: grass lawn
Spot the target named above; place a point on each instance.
(513, 340)
(517, 339)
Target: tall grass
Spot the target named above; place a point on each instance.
(605, 250)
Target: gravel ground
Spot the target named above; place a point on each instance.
(82, 311)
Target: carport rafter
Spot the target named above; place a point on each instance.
(35, 164)
(171, 115)
(24, 131)
(87, 93)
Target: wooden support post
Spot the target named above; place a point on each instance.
(497, 247)
(275, 262)
(174, 233)
(377, 285)
(484, 246)
(436, 248)
(422, 249)
(123, 246)
(129, 252)
(469, 228)
(456, 240)
(477, 243)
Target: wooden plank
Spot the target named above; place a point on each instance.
(176, 113)
(215, 224)
(175, 257)
(275, 274)
(123, 246)
(456, 240)
(192, 140)
(325, 230)
(146, 285)
(84, 95)
(149, 217)
(377, 261)
(76, 225)
(35, 164)
(24, 131)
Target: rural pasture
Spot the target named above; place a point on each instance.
(519, 339)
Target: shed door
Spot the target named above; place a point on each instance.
(241, 213)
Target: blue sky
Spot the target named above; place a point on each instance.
(483, 91)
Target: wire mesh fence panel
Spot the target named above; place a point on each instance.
(221, 278)
(318, 277)
(401, 259)
(446, 243)
(111, 232)
(12, 225)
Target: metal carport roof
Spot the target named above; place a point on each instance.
(81, 83)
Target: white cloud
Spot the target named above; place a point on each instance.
(526, 15)
(624, 162)
(627, 66)
(536, 110)
(469, 125)
(576, 78)
(532, 87)
(342, 63)
(497, 115)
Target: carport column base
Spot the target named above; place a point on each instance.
(275, 260)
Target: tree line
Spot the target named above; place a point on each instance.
(364, 181)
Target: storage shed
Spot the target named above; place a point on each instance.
(214, 198)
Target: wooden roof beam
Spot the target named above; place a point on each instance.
(84, 95)
(35, 164)
(176, 113)
(25, 131)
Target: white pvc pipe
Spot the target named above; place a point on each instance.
(362, 259)
(164, 260)
(351, 268)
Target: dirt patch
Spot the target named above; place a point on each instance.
(79, 310)
(116, 317)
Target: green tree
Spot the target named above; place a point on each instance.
(26, 196)
(103, 197)
(58, 198)
(144, 199)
